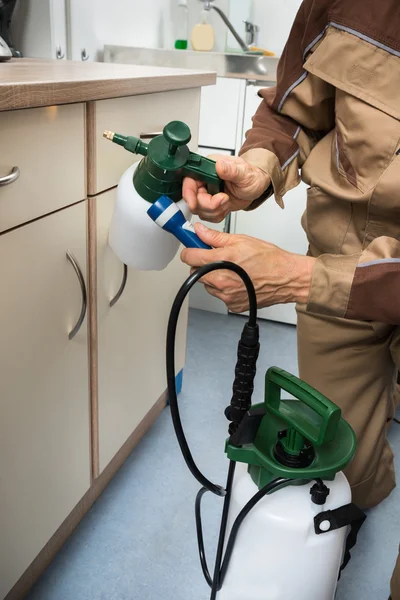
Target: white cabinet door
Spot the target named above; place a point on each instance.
(132, 336)
(44, 399)
(221, 114)
(81, 28)
(39, 28)
(252, 102)
(271, 223)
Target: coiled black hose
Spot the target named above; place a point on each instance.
(241, 400)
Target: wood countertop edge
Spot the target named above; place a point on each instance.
(14, 96)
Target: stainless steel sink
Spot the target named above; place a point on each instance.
(244, 66)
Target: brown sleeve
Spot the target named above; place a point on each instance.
(296, 113)
(363, 286)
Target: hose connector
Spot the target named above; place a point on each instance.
(245, 372)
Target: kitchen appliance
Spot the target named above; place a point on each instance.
(6, 12)
(5, 52)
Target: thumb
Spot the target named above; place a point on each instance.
(232, 171)
(216, 239)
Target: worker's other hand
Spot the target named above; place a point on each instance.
(244, 183)
(278, 276)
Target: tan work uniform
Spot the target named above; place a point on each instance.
(334, 116)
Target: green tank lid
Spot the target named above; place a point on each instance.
(300, 439)
(167, 160)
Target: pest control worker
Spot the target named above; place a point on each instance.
(334, 118)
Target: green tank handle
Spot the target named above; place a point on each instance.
(299, 440)
(167, 160)
(318, 428)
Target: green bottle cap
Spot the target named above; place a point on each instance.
(300, 440)
(167, 161)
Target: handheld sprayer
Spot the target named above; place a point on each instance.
(286, 503)
(154, 188)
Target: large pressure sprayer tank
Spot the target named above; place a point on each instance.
(289, 546)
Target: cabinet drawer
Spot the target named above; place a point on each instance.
(137, 115)
(48, 147)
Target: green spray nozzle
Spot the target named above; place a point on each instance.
(130, 143)
(167, 161)
(300, 439)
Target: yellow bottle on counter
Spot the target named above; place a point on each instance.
(203, 37)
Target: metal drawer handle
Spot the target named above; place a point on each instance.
(79, 274)
(59, 53)
(122, 287)
(84, 54)
(13, 176)
(150, 136)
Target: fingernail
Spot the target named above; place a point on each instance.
(201, 227)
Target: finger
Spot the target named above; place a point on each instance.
(235, 172)
(197, 258)
(189, 193)
(216, 239)
(212, 203)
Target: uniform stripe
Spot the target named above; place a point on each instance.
(294, 85)
(366, 38)
(291, 159)
(382, 261)
(315, 41)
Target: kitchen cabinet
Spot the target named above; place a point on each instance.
(141, 116)
(44, 399)
(269, 222)
(131, 337)
(82, 377)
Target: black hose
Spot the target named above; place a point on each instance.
(267, 489)
(220, 573)
(245, 385)
(171, 334)
(200, 538)
(222, 531)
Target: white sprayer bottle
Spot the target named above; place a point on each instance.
(135, 238)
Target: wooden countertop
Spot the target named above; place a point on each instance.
(28, 83)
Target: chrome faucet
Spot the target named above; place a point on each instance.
(251, 30)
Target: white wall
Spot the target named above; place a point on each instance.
(148, 23)
(275, 18)
(144, 23)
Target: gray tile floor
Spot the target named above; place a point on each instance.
(138, 540)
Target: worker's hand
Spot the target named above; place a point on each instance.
(244, 183)
(278, 276)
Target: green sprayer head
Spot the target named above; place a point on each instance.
(167, 161)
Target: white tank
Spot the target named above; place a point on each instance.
(277, 554)
(134, 237)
